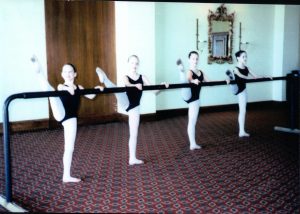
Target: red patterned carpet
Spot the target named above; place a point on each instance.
(259, 174)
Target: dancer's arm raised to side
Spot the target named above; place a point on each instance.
(205, 78)
(128, 84)
(253, 74)
(147, 82)
(71, 90)
(91, 96)
(257, 76)
(62, 87)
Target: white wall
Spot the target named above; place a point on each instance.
(272, 31)
(286, 52)
(22, 33)
(278, 49)
(176, 36)
(158, 33)
(291, 38)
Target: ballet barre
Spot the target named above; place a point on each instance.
(41, 94)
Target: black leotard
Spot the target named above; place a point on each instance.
(71, 104)
(133, 93)
(195, 89)
(241, 82)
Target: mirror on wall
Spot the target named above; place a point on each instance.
(220, 31)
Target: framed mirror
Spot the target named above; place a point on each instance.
(220, 31)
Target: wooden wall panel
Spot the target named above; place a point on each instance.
(82, 33)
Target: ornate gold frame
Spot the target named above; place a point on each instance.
(220, 15)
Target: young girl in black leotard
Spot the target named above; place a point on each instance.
(191, 95)
(130, 100)
(65, 110)
(241, 73)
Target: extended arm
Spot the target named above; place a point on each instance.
(147, 82)
(257, 76)
(62, 87)
(127, 83)
(205, 77)
(91, 96)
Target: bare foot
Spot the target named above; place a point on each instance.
(71, 179)
(135, 161)
(196, 146)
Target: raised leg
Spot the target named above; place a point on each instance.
(234, 88)
(121, 97)
(185, 92)
(57, 107)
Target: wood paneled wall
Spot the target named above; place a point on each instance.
(83, 33)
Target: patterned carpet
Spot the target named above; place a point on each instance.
(259, 174)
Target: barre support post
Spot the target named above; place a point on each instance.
(292, 88)
(7, 150)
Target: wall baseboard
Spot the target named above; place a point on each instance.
(32, 125)
(27, 125)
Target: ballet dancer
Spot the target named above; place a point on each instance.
(65, 110)
(191, 95)
(130, 100)
(240, 74)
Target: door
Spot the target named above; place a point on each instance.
(82, 33)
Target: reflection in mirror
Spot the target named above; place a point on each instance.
(219, 43)
(220, 36)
